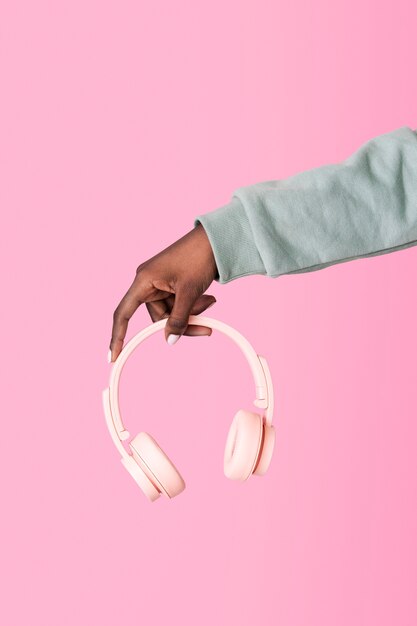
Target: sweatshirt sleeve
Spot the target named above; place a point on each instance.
(364, 206)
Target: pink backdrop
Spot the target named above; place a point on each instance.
(120, 122)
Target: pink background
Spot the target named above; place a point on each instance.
(119, 123)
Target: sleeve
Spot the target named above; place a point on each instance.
(361, 207)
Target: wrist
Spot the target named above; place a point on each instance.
(204, 244)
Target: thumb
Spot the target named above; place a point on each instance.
(177, 322)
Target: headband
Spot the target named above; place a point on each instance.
(260, 371)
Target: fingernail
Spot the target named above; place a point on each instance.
(173, 339)
(109, 356)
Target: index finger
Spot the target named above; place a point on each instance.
(121, 316)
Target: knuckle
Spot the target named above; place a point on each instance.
(140, 268)
(142, 278)
(177, 323)
(117, 315)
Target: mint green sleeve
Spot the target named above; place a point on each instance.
(364, 206)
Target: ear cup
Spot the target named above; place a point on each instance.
(156, 465)
(243, 445)
(148, 488)
(267, 448)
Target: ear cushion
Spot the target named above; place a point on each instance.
(267, 448)
(148, 488)
(243, 445)
(156, 465)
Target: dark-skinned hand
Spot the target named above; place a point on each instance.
(171, 284)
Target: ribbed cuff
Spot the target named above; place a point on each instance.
(231, 238)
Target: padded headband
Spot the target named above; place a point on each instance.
(263, 383)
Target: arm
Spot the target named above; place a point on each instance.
(361, 207)
(364, 206)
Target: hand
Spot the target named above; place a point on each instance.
(172, 284)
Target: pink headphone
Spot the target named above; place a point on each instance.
(250, 441)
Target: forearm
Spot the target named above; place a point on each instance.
(363, 206)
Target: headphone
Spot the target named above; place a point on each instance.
(250, 441)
